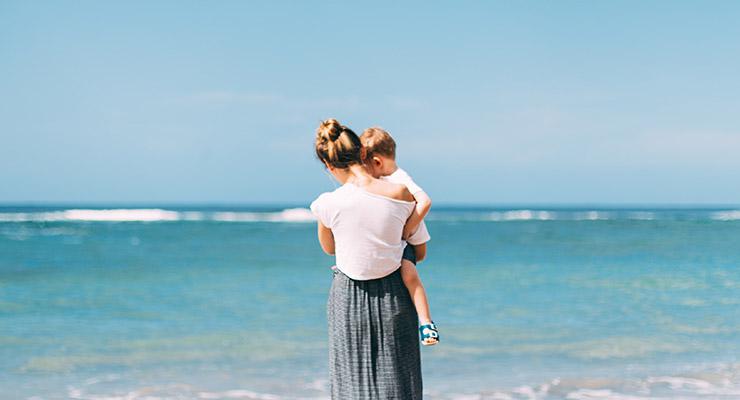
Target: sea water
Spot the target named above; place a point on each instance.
(230, 303)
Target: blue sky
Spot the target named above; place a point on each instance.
(490, 102)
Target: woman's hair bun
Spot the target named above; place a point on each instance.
(330, 129)
(337, 145)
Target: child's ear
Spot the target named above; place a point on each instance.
(377, 161)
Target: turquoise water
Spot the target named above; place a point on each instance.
(229, 303)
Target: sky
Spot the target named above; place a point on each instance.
(529, 102)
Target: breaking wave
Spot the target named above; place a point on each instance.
(731, 215)
(713, 383)
(300, 214)
(157, 215)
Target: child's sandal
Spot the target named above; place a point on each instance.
(429, 334)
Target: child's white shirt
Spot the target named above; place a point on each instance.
(399, 176)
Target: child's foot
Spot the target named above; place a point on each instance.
(429, 334)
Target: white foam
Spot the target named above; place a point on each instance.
(713, 382)
(521, 215)
(301, 215)
(14, 217)
(591, 216)
(170, 392)
(472, 397)
(295, 215)
(231, 216)
(157, 214)
(121, 215)
(591, 394)
(723, 386)
(237, 394)
(731, 215)
(287, 215)
(676, 382)
(111, 215)
(78, 394)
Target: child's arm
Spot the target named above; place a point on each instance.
(423, 205)
(421, 252)
(326, 239)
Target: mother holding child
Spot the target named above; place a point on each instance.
(373, 223)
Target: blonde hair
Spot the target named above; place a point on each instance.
(337, 145)
(378, 141)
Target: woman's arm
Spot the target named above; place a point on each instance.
(326, 239)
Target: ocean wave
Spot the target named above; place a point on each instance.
(591, 394)
(544, 215)
(112, 215)
(712, 383)
(522, 215)
(592, 216)
(301, 215)
(238, 394)
(287, 215)
(731, 215)
(157, 215)
(178, 391)
(695, 382)
(172, 392)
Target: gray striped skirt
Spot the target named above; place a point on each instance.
(373, 340)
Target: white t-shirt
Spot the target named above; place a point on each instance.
(367, 230)
(402, 177)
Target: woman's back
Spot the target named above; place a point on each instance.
(367, 224)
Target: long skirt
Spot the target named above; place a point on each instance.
(373, 340)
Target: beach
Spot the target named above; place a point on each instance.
(162, 302)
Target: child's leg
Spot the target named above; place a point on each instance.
(411, 279)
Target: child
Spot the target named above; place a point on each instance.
(381, 163)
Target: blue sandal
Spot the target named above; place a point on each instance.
(429, 334)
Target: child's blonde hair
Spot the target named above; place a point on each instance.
(377, 141)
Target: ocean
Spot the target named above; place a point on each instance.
(225, 302)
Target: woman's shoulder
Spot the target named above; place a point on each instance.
(327, 196)
(325, 206)
(335, 195)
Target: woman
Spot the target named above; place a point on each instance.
(373, 346)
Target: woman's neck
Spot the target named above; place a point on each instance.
(355, 174)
